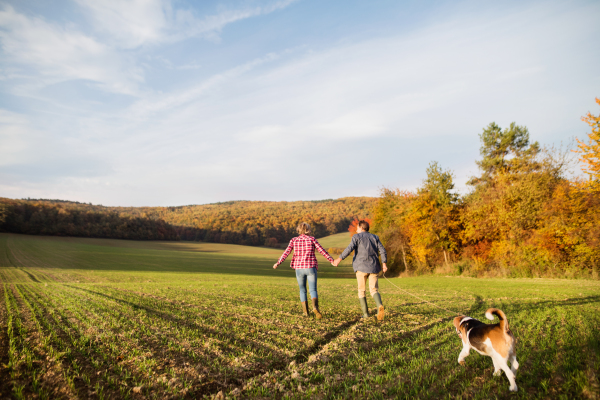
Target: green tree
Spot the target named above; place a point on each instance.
(504, 151)
(439, 184)
(389, 222)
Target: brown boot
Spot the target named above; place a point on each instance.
(380, 309)
(305, 308)
(380, 313)
(316, 309)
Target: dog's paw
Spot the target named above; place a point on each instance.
(497, 372)
(513, 388)
(462, 363)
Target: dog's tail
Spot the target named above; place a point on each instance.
(489, 314)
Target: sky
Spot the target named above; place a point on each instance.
(163, 103)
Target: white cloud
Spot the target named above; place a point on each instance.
(211, 25)
(133, 23)
(38, 53)
(60, 54)
(161, 103)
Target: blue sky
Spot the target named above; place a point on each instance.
(158, 102)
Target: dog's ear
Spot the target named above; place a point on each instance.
(457, 320)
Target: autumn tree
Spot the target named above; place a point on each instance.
(444, 218)
(569, 232)
(504, 210)
(389, 222)
(590, 152)
(420, 228)
(523, 216)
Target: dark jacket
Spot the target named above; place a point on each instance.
(366, 246)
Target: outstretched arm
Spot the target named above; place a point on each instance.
(351, 247)
(323, 252)
(284, 255)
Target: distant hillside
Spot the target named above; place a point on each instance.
(238, 222)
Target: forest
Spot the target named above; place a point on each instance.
(251, 223)
(524, 215)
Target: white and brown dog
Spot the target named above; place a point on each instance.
(494, 340)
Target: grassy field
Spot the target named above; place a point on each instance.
(340, 240)
(94, 318)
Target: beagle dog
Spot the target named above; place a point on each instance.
(494, 340)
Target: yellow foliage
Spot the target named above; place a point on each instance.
(590, 152)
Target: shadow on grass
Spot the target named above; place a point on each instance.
(553, 365)
(183, 322)
(279, 362)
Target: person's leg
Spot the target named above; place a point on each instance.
(361, 278)
(311, 275)
(374, 289)
(301, 277)
(312, 285)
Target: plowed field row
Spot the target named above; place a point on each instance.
(92, 319)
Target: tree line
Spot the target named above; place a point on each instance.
(523, 216)
(237, 222)
(62, 218)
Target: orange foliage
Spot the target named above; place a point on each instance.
(527, 220)
(354, 225)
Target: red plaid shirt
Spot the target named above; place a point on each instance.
(304, 252)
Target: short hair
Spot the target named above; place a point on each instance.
(364, 225)
(303, 228)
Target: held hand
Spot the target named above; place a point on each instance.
(384, 268)
(337, 262)
(275, 266)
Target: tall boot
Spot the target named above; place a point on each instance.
(305, 308)
(380, 310)
(363, 306)
(318, 314)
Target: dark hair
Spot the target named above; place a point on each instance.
(364, 225)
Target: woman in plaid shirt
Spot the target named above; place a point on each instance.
(305, 264)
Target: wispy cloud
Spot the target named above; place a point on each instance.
(53, 53)
(137, 23)
(161, 103)
(211, 25)
(43, 53)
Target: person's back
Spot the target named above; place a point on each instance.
(367, 249)
(304, 247)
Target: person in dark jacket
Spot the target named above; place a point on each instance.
(367, 249)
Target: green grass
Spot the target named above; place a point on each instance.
(340, 240)
(93, 318)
